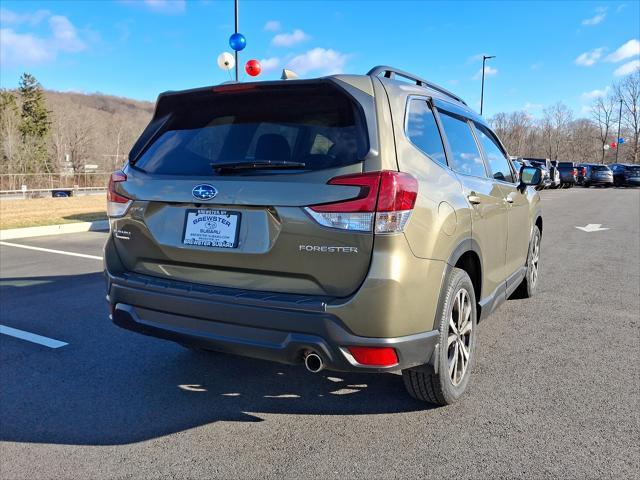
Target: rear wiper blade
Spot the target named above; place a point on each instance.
(257, 165)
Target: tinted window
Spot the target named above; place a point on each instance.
(315, 124)
(423, 132)
(466, 157)
(496, 158)
(600, 168)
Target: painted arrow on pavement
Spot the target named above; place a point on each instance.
(592, 227)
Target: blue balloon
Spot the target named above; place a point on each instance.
(237, 42)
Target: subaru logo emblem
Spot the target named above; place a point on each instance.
(204, 191)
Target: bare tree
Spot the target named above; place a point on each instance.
(555, 129)
(628, 90)
(602, 112)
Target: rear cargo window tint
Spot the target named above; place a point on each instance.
(317, 124)
(423, 132)
(466, 157)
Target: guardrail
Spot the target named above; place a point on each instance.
(51, 181)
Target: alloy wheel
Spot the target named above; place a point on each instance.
(534, 259)
(459, 338)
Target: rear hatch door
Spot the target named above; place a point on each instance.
(220, 181)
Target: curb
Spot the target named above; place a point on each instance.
(13, 233)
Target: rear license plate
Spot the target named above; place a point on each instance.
(211, 228)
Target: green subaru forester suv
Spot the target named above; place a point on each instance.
(360, 223)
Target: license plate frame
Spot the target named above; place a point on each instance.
(220, 217)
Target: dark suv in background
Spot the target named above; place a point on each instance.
(597, 175)
(568, 174)
(625, 175)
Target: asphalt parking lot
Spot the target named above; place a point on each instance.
(555, 392)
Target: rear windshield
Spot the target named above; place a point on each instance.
(634, 169)
(566, 164)
(600, 168)
(316, 124)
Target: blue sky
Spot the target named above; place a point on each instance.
(546, 51)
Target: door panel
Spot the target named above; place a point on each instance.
(519, 227)
(489, 227)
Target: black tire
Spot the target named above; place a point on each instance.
(435, 384)
(529, 285)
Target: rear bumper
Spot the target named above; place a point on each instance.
(279, 328)
(632, 181)
(600, 181)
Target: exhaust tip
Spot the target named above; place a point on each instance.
(313, 362)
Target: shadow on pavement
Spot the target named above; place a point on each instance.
(110, 386)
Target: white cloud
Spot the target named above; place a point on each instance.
(627, 68)
(532, 106)
(587, 59)
(594, 94)
(272, 26)
(65, 35)
(453, 82)
(321, 60)
(269, 64)
(628, 50)
(289, 39)
(27, 49)
(7, 17)
(488, 71)
(536, 66)
(170, 7)
(23, 49)
(601, 14)
(167, 6)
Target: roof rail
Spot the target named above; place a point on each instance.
(390, 72)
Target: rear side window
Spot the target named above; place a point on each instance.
(422, 131)
(466, 157)
(317, 124)
(496, 158)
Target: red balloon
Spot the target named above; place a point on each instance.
(614, 144)
(253, 68)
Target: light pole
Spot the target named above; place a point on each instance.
(618, 137)
(484, 59)
(235, 15)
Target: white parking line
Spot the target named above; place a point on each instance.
(49, 250)
(32, 337)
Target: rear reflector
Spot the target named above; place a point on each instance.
(117, 205)
(374, 356)
(385, 197)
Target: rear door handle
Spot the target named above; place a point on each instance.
(474, 199)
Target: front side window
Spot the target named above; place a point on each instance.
(422, 131)
(496, 158)
(466, 157)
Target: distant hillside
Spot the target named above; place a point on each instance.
(94, 128)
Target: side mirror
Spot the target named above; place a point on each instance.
(530, 176)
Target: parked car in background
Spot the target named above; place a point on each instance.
(597, 175)
(581, 173)
(554, 173)
(625, 175)
(545, 165)
(568, 174)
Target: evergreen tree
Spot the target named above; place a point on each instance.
(34, 126)
(35, 116)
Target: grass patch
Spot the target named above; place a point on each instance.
(36, 212)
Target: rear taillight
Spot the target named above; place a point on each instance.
(383, 205)
(374, 356)
(117, 205)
